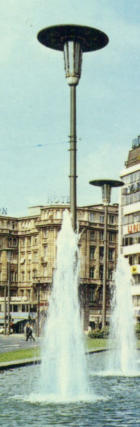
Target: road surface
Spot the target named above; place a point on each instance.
(16, 342)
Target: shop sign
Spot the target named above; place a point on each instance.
(133, 228)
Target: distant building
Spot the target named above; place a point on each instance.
(130, 218)
(31, 244)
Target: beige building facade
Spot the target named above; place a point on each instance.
(28, 260)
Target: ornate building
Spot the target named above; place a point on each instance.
(28, 257)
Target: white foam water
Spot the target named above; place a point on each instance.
(123, 356)
(63, 374)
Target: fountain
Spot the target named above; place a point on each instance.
(123, 356)
(63, 368)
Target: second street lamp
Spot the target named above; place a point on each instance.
(73, 40)
(106, 186)
(8, 286)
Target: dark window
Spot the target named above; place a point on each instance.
(92, 235)
(101, 272)
(130, 260)
(92, 252)
(102, 219)
(91, 273)
(101, 252)
(110, 274)
(110, 254)
(101, 235)
(111, 236)
(112, 219)
(91, 294)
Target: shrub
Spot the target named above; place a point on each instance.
(137, 330)
(99, 333)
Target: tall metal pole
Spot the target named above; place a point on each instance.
(8, 273)
(5, 294)
(73, 195)
(38, 309)
(73, 40)
(105, 267)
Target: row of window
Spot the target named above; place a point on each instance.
(111, 253)
(131, 218)
(136, 279)
(131, 198)
(136, 300)
(25, 308)
(12, 242)
(100, 218)
(131, 188)
(29, 240)
(133, 177)
(131, 240)
(14, 308)
(34, 255)
(93, 235)
(32, 274)
(101, 273)
(134, 259)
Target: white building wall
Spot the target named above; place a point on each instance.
(130, 231)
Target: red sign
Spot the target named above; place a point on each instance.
(133, 228)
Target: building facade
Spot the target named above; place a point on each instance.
(130, 218)
(28, 260)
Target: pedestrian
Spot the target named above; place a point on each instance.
(29, 333)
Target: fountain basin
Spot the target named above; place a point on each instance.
(111, 401)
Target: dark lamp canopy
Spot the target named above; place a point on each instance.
(106, 186)
(110, 182)
(89, 38)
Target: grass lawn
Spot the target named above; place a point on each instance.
(19, 354)
(35, 352)
(90, 344)
(94, 343)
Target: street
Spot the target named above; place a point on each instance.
(16, 342)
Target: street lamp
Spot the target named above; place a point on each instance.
(8, 285)
(73, 40)
(38, 307)
(5, 310)
(106, 186)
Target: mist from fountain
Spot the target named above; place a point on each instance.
(123, 356)
(63, 373)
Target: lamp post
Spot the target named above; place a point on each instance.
(73, 40)
(5, 294)
(106, 186)
(8, 286)
(38, 307)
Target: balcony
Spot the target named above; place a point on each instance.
(131, 249)
(136, 289)
(16, 299)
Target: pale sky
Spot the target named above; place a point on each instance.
(34, 101)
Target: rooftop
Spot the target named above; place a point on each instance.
(134, 153)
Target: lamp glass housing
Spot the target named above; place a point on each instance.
(72, 61)
(106, 194)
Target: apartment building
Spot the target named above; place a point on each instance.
(28, 260)
(130, 218)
